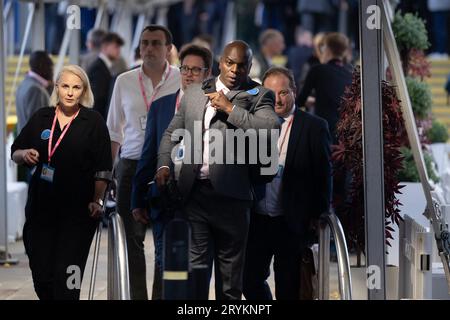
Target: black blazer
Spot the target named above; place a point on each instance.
(306, 180)
(329, 81)
(100, 79)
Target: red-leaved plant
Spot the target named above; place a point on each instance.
(348, 157)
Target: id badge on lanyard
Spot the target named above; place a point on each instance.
(48, 171)
(143, 119)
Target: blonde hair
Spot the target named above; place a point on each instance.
(87, 97)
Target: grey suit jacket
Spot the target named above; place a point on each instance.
(30, 96)
(253, 110)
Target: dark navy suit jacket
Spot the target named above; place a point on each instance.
(307, 182)
(158, 119)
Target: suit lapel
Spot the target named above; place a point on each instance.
(232, 94)
(201, 107)
(296, 131)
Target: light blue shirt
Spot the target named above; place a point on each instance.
(271, 204)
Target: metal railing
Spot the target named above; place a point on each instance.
(118, 282)
(330, 222)
(118, 274)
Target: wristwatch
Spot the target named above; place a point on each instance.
(99, 202)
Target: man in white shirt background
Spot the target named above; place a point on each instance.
(134, 93)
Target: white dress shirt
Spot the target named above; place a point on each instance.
(209, 114)
(127, 114)
(271, 203)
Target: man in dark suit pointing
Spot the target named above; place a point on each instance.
(218, 194)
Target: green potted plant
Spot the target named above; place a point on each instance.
(438, 137)
(409, 171)
(412, 39)
(420, 95)
(438, 132)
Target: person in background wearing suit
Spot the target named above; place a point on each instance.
(328, 80)
(218, 195)
(287, 206)
(271, 44)
(32, 93)
(195, 67)
(99, 72)
(93, 44)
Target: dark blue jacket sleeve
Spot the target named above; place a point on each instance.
(146, 166)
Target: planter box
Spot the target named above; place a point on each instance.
(440, 156)
(359, 283)
(414, 204)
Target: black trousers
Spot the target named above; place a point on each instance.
(57, 250)
(134, 231)
(270, 237)
(219, 228)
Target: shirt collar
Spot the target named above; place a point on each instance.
(289, 116)
(164, 76)
(105, 59)
(38, 78)
(221, 87)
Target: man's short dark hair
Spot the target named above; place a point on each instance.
(337, 43)
(157, 27)
(95, 36)
(112, 37)
(274, 71)
(40, 60)
(202, 52)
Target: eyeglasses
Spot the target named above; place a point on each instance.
(195, 70)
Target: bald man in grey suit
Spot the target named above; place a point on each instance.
(218, 195)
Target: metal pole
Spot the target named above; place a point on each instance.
(98, 236)
(31, 9)
(100, 13)
(324, 260)
(371, 104)
(38, 38)
(345, 278)
(3, 207)
(142, 20)
(4, 256)
(110, 284)
(118, 274)
(7, 39)
(62, 52)
(122, 259)
(74, 47)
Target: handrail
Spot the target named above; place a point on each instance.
(118, 274)
(329, 221)
(98, 236)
